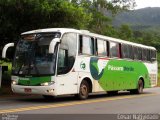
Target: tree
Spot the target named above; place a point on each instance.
(17, 16)
(99, 8)
(125, 32)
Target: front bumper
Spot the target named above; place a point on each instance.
(40, 90)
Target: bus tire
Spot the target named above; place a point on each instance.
(139, 89)
(48, 97)
(83, 90)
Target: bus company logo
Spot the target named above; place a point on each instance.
(82, 65)
(116, 68)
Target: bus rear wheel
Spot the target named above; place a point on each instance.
(139, 89)
(83, 90)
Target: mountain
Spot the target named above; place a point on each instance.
(146, 18)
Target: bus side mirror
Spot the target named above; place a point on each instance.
(53, 44)
(5, 49)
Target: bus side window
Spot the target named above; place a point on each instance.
(144, 54)
(135, 50)
(127, 51)
(124, 49)
(62, 61)
(139, 53)
(86, 45)
(101, 46)
(130, 49)
(153, 55)
(67, 53)
(114, 49)
(148, 55)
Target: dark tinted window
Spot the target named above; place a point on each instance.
(127, 51)
(114, 49)
(153, 55)
(148, 55)
(139, 53)
(124, 51)
(135, 50)
(144, 54)
(130, 49)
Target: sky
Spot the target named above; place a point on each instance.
(147, 3)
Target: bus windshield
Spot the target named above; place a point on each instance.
(32, 55)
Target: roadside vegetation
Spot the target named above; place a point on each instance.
(6, 78)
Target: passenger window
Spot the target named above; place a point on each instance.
(114, 49)
(86, 45)
(135, 50)
(153, 55)
(144, 54)
(102, 47)
(125, 51)
(130, 49)
(62, 61)
(139, 53)
(148, 55)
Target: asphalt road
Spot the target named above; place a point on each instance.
(123, 103)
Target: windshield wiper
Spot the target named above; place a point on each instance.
(20, 69)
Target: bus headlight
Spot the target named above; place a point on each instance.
(14, 82)
(47, 83)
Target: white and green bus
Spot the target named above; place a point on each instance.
(61, 61)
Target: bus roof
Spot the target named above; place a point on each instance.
(88, 33)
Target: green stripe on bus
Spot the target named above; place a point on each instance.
(33, 81)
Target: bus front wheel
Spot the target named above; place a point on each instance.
(83, 90)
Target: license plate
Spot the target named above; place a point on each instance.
(28, 90)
